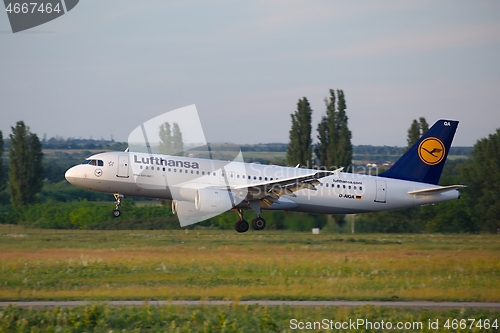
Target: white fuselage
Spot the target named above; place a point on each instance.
(165, 177)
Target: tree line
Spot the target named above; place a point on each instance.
(334, 148)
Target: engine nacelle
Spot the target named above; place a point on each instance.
(184, 208)
(209, 200)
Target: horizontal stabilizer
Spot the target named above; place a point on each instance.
(436, 190)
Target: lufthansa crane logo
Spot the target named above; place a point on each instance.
(431, 151)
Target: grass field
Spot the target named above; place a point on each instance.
(235, 318)
(214, 264)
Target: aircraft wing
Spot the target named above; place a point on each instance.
(271, 191)
(436, 190)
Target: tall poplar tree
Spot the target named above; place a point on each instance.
(413, 133)
(334, 135)
(424, 126)
(177, 143)
(299, 148)
(26, 170)
(165, 146)
(344, 148)
(321, 149)
(416, 130)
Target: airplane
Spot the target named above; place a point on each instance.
(201, 188)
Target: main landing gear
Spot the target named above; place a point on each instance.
(258, 223)
(118, 203)
(241, 225)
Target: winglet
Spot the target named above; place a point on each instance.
(424, 161)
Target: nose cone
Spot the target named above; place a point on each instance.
(71, 175)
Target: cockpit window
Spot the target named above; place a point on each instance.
(94, 162)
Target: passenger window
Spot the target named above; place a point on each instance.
(349, 186)
(326, 185)
(343, 186)
(361, 188)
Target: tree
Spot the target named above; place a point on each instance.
(165, 146)
(321, 149)
(413, 133)
(416, 130)
(483, 180)
(170, 140)
(26, 170)
(299, 148)
(334, 135)
(424, 126)
(177, 143)
(344, 153)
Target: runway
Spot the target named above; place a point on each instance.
(398, 304)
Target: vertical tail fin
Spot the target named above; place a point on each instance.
(424, 161)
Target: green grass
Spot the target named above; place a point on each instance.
(235, 318)
(215, 264)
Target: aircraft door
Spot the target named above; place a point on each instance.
(380, 195)
(122, 166)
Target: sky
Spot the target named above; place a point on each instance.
(105, 67)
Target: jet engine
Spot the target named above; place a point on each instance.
(209, 200)
(184, 208)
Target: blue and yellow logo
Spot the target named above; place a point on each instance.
(431, 151)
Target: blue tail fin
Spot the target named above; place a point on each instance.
(424, 161)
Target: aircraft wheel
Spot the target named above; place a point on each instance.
(258, 223)
(116, 213)
(241, 226)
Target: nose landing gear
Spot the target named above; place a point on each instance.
(118, 203)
